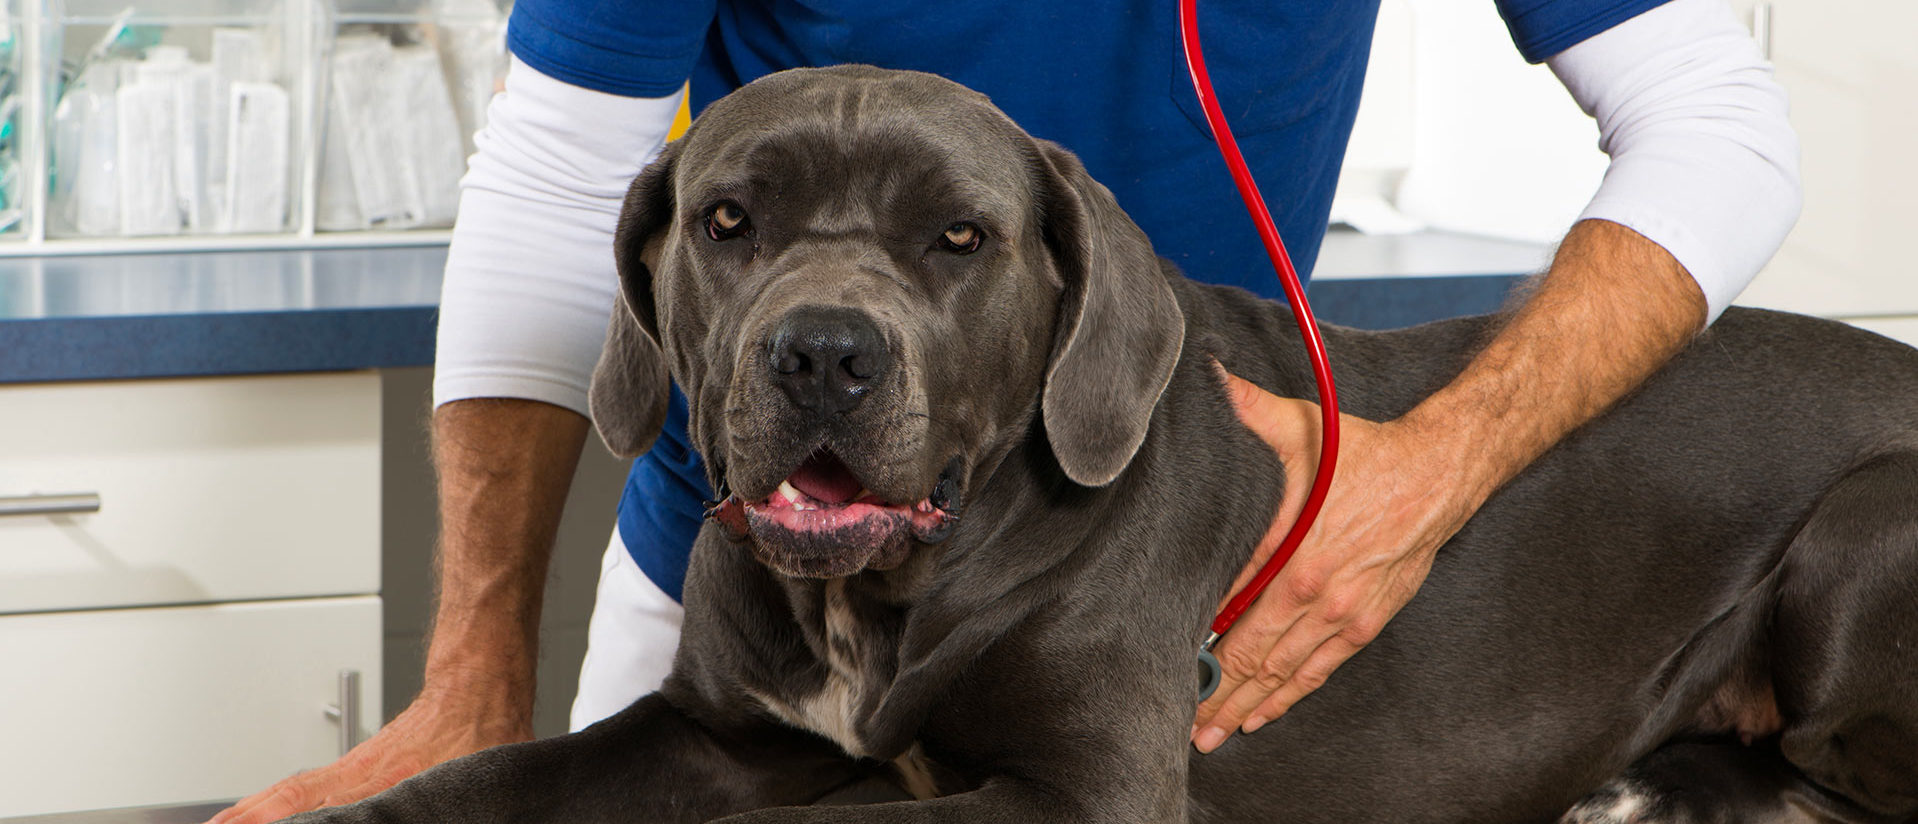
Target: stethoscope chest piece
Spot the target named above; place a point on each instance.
(1209, 672)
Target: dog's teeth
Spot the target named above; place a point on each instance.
(791, 494)
(863, 492)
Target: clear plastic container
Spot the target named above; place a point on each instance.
(406, 84)
(13, 183)
(176, 117)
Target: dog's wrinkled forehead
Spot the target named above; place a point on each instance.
(898, 125)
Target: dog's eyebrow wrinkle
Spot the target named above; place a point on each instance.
(850, 105)
(839, 223)
(844, 216)
(717, 190)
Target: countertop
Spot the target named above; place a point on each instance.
(102, 317)
(165, 814)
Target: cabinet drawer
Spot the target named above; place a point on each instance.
(210, 489)
(117, 708)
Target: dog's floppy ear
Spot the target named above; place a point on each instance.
(630, 385)
(1119, 330)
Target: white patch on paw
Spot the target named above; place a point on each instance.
(1619, 802)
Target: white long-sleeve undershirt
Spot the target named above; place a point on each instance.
(529, 276)
(1703, 160)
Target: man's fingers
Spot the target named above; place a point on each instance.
(372, 786)
(293, 795)
(1249, 680)
(1310, 676)
(1244, 650)
(1246, 695)
(345, 781)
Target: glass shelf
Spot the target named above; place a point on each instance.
(185, 124)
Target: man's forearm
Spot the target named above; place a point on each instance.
(1613, 308)
(504, 466)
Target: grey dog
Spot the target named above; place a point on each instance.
(982, 489)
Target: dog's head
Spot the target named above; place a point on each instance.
(866, 282)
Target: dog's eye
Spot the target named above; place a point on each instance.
(725, 221)
(962, 238)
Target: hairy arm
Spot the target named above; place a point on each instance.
(1612, 309)
(505, 466)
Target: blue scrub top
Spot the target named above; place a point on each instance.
(1106, 80)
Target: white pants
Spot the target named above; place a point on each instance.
(630, 641)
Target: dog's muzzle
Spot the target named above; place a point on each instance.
(822, 523)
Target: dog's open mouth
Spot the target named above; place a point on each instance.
(821, 522)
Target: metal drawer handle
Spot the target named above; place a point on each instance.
(347, 711)
(77, 503)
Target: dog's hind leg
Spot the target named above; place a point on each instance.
(1717, 781)
(1832, 700)
(1845, 639)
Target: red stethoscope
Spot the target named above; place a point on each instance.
(1209, 673)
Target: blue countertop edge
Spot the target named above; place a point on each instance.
(114, 347)
(118, 347)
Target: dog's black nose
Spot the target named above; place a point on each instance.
(826, 358)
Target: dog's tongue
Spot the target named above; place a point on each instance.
(825, 479)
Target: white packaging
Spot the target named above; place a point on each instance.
(164, 57)
(148, 203)
(338, 208)
(194, 113)
(473, 48)
(237, 56)
(85, 193)
(192, 86)
(430, 131)
(240, 56)
(364, 113)
(257, 173)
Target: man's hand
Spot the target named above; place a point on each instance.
(1612, 309)
(1390, 508)
(432, 729)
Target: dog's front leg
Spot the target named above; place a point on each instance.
(650, 764)
(1003, 799)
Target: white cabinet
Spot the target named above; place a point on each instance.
(211, 489)
(1850, 70)
(115, 708)
(184, 641)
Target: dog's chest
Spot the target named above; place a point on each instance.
(833, 708)
(856, 678)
